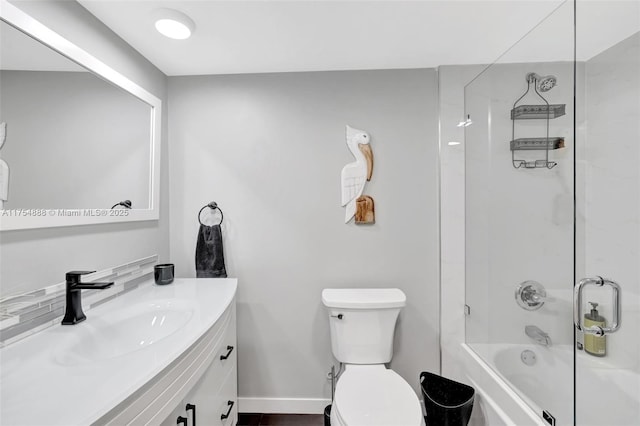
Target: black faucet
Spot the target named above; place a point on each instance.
(73, 311)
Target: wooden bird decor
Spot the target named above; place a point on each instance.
(354, 177)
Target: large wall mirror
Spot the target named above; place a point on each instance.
(79, 142)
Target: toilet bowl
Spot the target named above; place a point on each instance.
(362, 323)
(372, 395)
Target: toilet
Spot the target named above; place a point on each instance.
(362, 323)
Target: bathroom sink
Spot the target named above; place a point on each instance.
(122, 346)
(136, 328)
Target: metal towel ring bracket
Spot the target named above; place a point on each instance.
(213, 206)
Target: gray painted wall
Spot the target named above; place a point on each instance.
(36, 258)
(269, 149)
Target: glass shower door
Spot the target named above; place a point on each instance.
(559, 229)
(607, 236)
(519, 209)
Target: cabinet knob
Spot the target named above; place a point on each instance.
(223, 357)
(230, 404)
(193, 416)
(181, 421)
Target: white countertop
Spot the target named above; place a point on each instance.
(43, 383)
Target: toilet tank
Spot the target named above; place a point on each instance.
(362, 323)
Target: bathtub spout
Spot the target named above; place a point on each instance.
(538, 335)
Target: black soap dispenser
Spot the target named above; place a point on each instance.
(595, 345)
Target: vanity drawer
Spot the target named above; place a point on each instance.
(205, 394)
(214, 398)
(225, 352)
(211, 402)
(225, 403)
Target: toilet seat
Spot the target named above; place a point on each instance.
(372, 395)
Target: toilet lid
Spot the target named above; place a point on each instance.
(375, 396)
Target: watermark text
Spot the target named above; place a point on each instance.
(64, 212)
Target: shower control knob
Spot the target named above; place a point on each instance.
(530, 295)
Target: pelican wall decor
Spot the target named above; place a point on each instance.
(4, 169)
(354, 177)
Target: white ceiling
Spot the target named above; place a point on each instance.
(306, 35)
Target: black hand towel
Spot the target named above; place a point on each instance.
(209, 253)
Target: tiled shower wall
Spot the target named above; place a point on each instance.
(610, 200)
(451, 83)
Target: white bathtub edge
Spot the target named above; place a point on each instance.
(503, 401)
(486, 399)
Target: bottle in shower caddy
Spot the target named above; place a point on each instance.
(595, 345)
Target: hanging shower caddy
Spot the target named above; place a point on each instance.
(545, 112)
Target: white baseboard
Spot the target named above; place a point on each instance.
(283, 405)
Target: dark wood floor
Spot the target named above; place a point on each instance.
(258, 419)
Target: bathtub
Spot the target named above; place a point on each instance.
(513, 392)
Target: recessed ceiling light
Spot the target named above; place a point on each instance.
(174, 24)
(452, 143)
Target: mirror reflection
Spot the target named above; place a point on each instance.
(68, 139)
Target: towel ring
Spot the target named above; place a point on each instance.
(213, 206)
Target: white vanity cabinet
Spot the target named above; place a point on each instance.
(202, 381)
(212, 401)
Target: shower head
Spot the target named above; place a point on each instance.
(547, 83)
(544, 84)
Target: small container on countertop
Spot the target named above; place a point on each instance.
(163, 273)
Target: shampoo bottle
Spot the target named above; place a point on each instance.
(595, 345)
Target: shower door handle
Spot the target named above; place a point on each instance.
(577, 306)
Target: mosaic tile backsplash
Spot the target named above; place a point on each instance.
(28, 313)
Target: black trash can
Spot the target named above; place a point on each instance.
(327, 415)
(447, 403)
